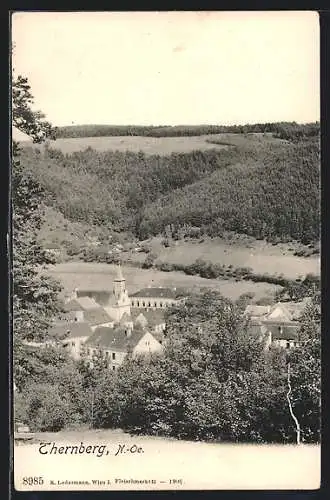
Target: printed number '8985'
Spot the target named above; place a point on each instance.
(32, 481)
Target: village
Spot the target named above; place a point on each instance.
(115, 323)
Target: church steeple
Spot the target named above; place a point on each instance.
(119, 283)
(120, 302)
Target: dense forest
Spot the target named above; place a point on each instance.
(285, 130)
(256, 187)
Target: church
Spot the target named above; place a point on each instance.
(114, 323)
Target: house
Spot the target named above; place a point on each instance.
(73, 336)
(153, 319)
(53, 249)
(279, 323)
(86, 309)
(116, 343)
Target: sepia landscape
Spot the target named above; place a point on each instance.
(166, 289)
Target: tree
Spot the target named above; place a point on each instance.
(35, 295)
(305, 369)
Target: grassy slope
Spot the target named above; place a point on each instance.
(160, 145)
(95, 276)
(262, 257)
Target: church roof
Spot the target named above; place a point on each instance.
(97, 316)
(87, 303)
(156, 292)
(73, 305)
(81, 304)
(101, 297)
(115, 338)
(72, 330)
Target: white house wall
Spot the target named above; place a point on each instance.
(147, 345)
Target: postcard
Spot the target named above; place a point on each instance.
(166, 265)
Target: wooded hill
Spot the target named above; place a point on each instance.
(265, 189)
(284, 130)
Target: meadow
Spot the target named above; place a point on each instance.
(160, 145)
(260, 256)
(97, 276)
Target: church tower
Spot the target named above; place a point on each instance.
(119, 302)
(119, 284)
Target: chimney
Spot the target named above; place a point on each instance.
(79, 316)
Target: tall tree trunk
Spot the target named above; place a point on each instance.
(298, 430)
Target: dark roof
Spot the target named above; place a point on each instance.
(153, 316)
(156, 292)
(77, 329)
(284, 332)
(102, 297)
(73, 305)
(115, 338)
(255, 329)
(126, 318)
(97, 316)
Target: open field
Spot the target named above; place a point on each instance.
(159, 145)
(134, 144)
(224, 466)
(100, 277)
(262, 257)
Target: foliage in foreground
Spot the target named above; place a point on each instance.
(215, 382)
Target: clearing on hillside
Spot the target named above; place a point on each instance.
(159, 145)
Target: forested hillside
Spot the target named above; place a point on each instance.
(266, 189)
(264, 197)
(285, 130)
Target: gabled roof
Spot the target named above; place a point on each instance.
(74, 330)
(281, 311)
(115, 338)
(156, 292)
(73, 305)
(87, 303)
(256, 311)
(97, 316)
(101, 297)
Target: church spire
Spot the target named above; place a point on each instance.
(119, 284)
(119, 276)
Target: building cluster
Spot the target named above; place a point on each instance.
(114, 323)
(279, 322)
